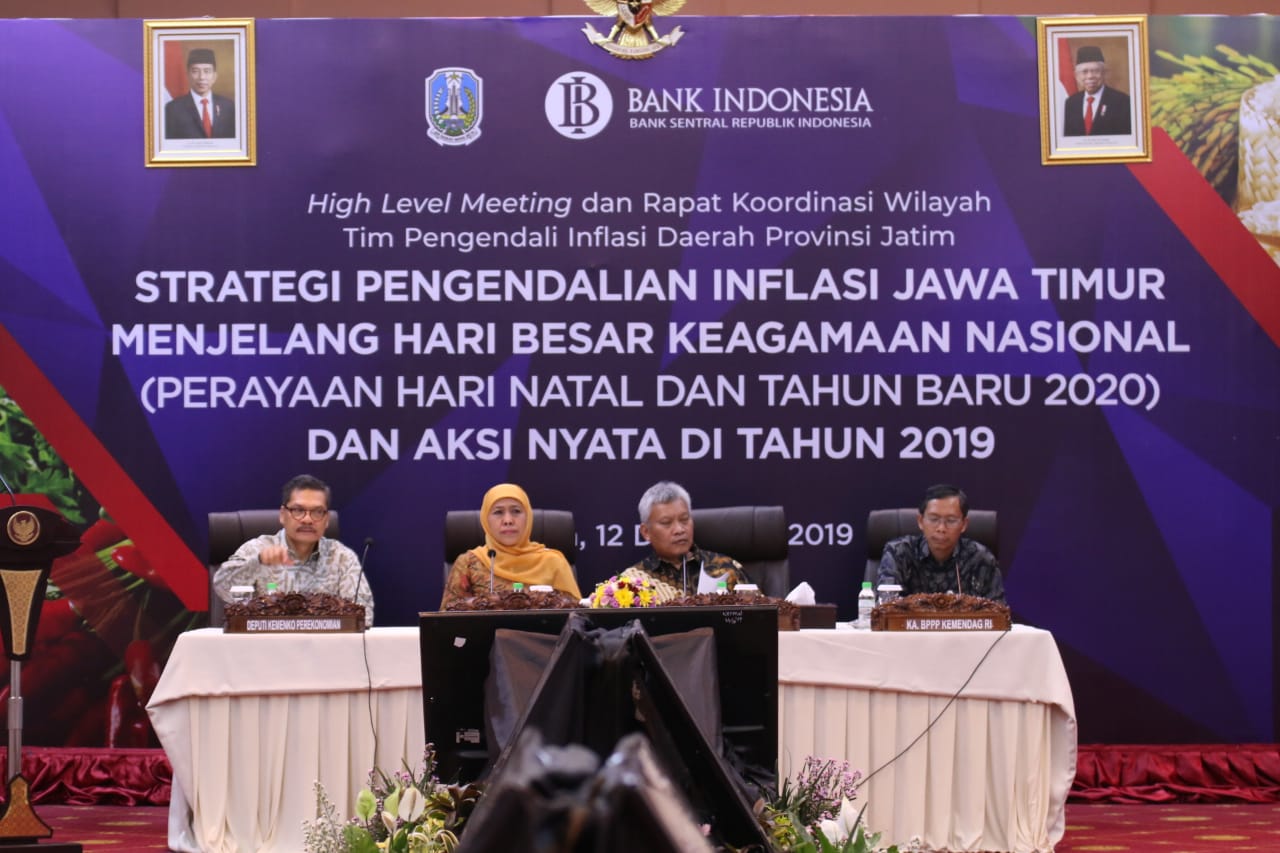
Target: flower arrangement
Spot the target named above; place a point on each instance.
(624, 591)
(819, 789)
(815, 812)
(412, 812)
(406, 812)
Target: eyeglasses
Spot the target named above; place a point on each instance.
(948, 521)
(300, 512)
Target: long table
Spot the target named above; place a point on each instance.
(250, 723)
(993, 771)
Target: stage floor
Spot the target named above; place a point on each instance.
(1137, 829)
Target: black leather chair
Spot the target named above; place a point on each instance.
(552, 527)
(884, 525)
(229, 530)
(755, 536)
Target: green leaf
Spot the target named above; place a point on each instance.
(359, 840)
(392, 802)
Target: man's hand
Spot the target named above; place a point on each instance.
(273, 555)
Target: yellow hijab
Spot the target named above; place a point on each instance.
(524, 562)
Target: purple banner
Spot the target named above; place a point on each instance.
(815, 262)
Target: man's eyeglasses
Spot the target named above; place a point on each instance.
(948, 521)
(299, 513)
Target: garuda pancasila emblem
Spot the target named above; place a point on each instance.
(633, 35)
(23, 528)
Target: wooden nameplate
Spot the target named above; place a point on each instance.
(294, 624)
(295, 613)
(940, 611)
(940, 621)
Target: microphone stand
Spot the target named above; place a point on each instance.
(364, 555)
(493, 555)
(364, 647)
(684, 571)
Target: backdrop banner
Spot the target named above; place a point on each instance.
(811, 261)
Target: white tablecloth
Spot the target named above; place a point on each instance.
(251, 722)
(994, 771)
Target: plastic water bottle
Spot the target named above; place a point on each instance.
(866, 601)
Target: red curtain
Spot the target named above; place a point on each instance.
(1177, 773)
(1105, 773)
(124, 777)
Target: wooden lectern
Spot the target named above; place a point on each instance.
(31, 538)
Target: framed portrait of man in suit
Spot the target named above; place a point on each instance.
(200, 93)
(1094, 105)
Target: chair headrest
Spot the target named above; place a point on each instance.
(229, 530)
(884, 525)
(552, 527)
(747, 533)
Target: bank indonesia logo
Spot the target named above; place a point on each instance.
(453, 106)
(578, 105)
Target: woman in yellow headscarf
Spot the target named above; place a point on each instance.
(507, 519)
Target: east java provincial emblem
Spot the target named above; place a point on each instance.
(453, 106)
(633, 35)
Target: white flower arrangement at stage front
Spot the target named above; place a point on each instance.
(815, 813)
(412, 812)
(407, 812)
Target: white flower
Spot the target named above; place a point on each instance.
(412, 804)
(838, 831)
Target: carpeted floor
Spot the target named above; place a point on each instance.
(1172, 828)
(111, 829)
(1090, 828)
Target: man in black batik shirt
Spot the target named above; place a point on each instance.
(938, 558)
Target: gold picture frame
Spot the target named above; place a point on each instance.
(1087, 59)
(187, 58)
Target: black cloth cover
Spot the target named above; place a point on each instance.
(557, 799)
(597, 688)
(518, 659)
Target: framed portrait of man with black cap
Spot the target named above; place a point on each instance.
(200, 93)
(1093, 90)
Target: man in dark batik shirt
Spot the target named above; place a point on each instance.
(938, 559)
(667, 525)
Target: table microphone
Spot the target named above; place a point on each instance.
(492, 556)
(364, 555)
(684, 570)
(364, 642)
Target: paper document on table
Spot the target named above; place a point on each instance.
(706, 583)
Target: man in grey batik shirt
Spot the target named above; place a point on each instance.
(298, 557)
